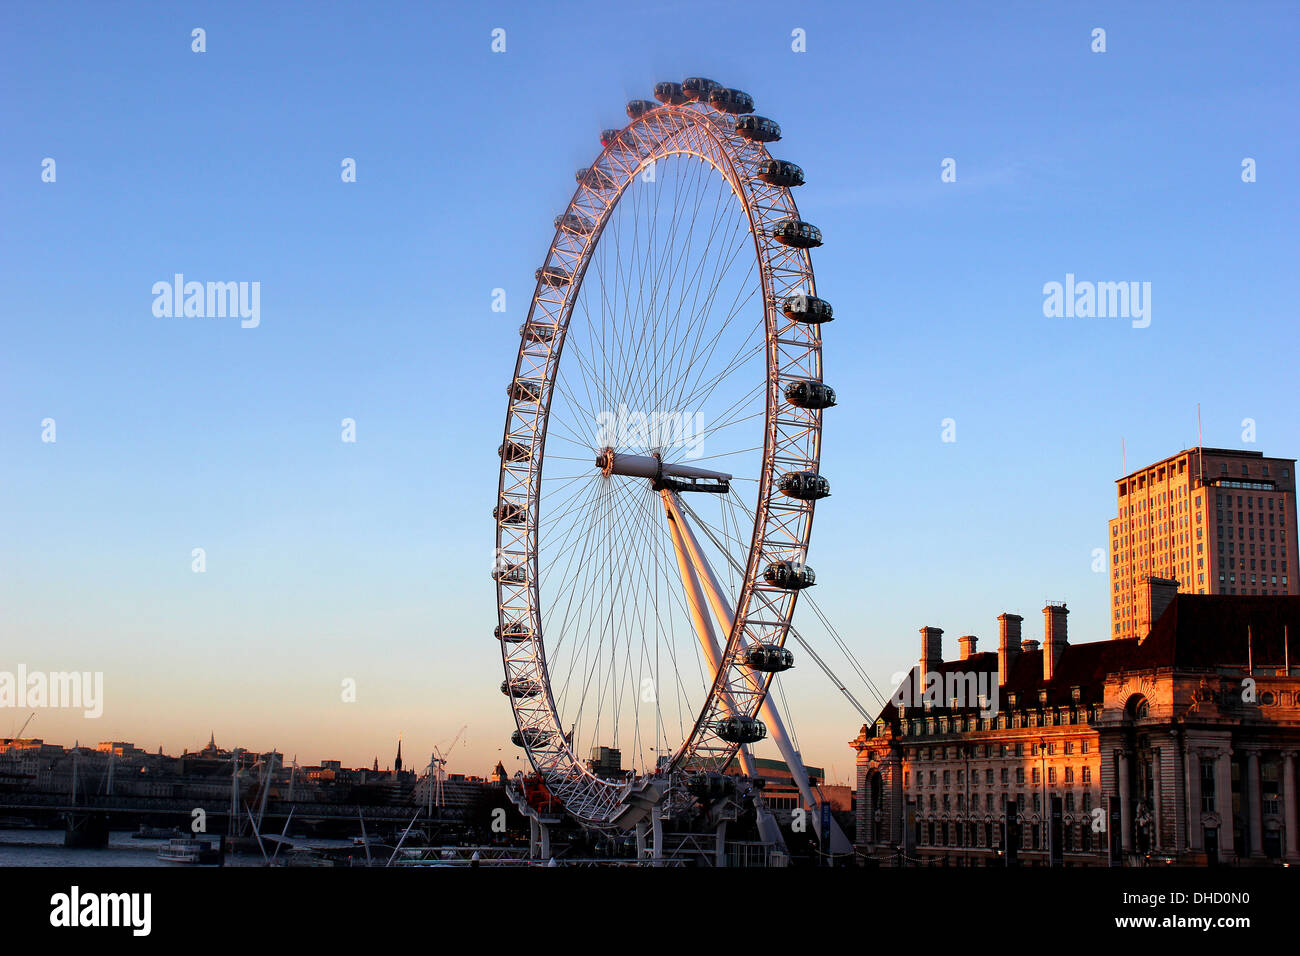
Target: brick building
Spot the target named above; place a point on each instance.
(1217, 520)
(1188, 735)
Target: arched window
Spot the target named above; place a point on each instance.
(1138, 708)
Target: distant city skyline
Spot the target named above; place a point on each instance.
(973, 454)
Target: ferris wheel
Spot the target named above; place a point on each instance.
(660, 458)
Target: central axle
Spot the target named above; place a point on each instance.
(661, 474)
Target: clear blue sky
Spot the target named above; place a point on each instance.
(328, 560)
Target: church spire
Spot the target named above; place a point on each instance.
(397, 764)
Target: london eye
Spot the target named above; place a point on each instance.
(660, 462)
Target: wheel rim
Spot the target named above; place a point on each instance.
(584, 298)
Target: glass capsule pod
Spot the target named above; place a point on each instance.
(514, 451)
(731, 101)
(510, 574)
(535, 333)
(711, 786)
(521, 687)
(769, 658)
(797, 234)
(758, 129)
(578, 225)
(608, 136)
(698, 88)
(778, 172)
(524, 390)
(535, 736)
(804, 485)
(807, 308)
(595, 177)
(638, 108)
(507, 512)
(806, 394)
(553, 276)
(789, 575)
(670, 93)
(739, 729)
(512, 633)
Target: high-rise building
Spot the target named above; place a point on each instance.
(1214, 520)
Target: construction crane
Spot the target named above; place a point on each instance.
(18, 735)
(438, 773)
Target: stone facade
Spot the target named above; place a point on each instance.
(1191, 733)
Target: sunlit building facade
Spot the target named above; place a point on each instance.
(1178, 747)
(1216, 520)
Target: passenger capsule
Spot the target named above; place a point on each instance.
(514, 451)
(806, 394)
(670, 93)
(777, 172)
(758, 129)
(595, 177)
(638, 108)
(711, 786)
(510, 574)
(731, 101)
(524, 390)
(520, 687)
(769, 658)
(536, 333)
(553, 276)
(807, 308)
(608, 136)
(739, 729)
(512, 633)
(789, 575)
(804, 485)
(535, 737)
(797, 234)
(697, 88)
(578, 225)
(508, 512)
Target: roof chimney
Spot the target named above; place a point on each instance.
(931, 650)
(1154, 595)
(1028, 645)
(1054, 636)
(1008, 644)
(967, 645)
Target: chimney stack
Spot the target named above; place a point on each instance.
(931, 650)
(967, 645)
(1054, 637)
(1028, 645)
(1008, 644)
(1154, 595)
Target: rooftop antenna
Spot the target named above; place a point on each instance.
(1200, 443)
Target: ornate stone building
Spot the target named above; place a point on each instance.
(1182, 743)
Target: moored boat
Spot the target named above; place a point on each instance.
(189, 850)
